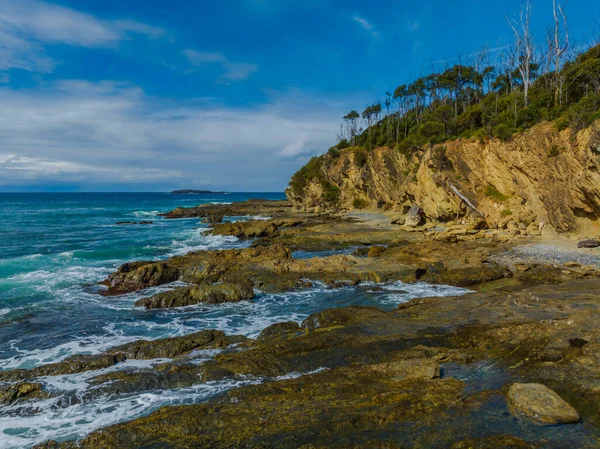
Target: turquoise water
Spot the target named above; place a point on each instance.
(55, 248)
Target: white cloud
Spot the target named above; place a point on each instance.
(232, 71)
(238, 71)
(293, 149)
(112, 133)
(27, 169)
(367, 26)
(199, 58)
(27, 26)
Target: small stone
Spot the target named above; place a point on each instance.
(589, 243)
(539, 404)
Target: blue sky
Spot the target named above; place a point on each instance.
(134, 95)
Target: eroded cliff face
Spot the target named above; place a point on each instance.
(540, 176)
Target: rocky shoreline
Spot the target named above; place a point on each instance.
(489, 369)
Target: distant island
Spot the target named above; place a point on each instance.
(189, 191)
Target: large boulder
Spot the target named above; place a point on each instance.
(414, 216)
(539, 404)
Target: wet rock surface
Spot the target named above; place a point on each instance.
(435, 372)
(138, 350)
(22, 391)
(420, 376)
(207, 294)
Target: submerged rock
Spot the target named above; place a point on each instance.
(540, 404)
(208, 294)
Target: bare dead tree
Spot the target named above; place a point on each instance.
(596, 30)
(560, 42)
(558, 46)
(524, 48)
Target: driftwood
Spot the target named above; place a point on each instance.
(466, 200)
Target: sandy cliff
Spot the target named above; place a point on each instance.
(540, 176)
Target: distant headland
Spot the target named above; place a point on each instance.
(192, 191)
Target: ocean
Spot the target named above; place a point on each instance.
(56, 247)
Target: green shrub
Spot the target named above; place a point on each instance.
(432, 130)
(562, 123)
(480, 136)
(334, 152)
(554, 151)
(492, 192)
(506, 212)
(503, 131)
(344, 143)
(306, 174)
(360, 157)
(359, 203)
(331, 193)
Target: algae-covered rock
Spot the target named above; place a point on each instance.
(540, 404)
(418, 368)
(139, 275)
(253, 207)
(246, 229)
(20, 391)
(280, 329)
(332, 409)
(208, 294)
(140, 350)
(494, 442)
(340, 317)
(175, 346)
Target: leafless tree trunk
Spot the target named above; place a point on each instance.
(524, 46)
(559, 45)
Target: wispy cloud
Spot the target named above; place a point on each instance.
(232, 71)
(76, 131)
(28, 26)
(367, 26)
(412, 25)
(488, 51)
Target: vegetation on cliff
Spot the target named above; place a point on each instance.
(480, 99)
